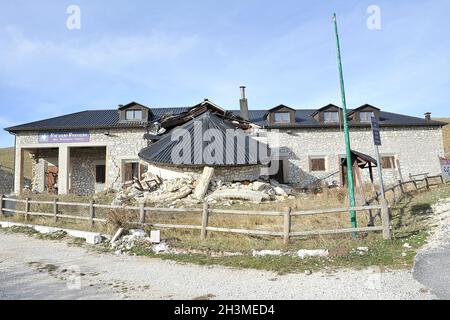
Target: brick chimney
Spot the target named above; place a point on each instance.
(243, 103)
(428, 116)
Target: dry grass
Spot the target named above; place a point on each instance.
(7, 161)
(446, 135)
(121, 218)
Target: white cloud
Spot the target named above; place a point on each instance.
(108, 53)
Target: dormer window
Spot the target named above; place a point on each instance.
(330, 116)
(134, 111)
(364, 113)
(133, 115)
(365, 116)
(282, 117)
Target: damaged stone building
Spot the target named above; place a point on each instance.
(96, 150)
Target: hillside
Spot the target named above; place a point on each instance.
(446, 134)
(7, 161)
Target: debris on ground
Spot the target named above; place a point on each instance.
(203, 183)
(305, 253)
(117, 235)
(153, 189)
(262, 253)
(137, 238)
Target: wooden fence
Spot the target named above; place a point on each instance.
(401, 188)
(205, 212)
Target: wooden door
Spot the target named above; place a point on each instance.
(52, 179)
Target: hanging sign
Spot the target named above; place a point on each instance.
(375, 131)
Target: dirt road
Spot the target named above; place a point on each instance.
(432, 265)
(44, 269)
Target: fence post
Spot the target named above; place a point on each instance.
(55, 210)
(395, 196)
(401, 187)
(287, 225)
(442, 179)
(1, 206)
(427, 183)
(142, 213)
(385, 220)
(27, 208)
(204, 220)
(92, 212)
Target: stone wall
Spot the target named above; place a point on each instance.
(83, 163)
(417, 150)
(226, 174)
(121, 145)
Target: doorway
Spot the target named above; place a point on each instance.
(279, 175)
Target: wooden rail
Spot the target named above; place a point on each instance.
(206, 212)
(398, 189)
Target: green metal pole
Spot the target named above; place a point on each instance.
(351, 188)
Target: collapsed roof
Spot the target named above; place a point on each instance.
(208, 139)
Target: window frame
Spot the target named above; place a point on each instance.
(365, 112)
(282, 113)
(103, 181)
(331, 112)
(134, 112)
(141, 168)
(311, 167)
(394, 161)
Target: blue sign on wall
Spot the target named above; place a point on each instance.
(64, 137)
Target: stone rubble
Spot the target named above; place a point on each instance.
(138, 238)
(305, 253)
(151, 188)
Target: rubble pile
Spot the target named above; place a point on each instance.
(152, 189)
(138, 238)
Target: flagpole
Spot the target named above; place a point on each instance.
(351, 188)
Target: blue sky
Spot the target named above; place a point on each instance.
(175, 53)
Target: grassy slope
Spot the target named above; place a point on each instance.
(7, 161)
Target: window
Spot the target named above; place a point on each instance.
(317, 164)
(100, 173)
(330, 116)
(282, 117)
(387, 162)
(133, 169)
(364, 116)
(133, 115)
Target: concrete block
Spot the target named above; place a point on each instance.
(155, 236)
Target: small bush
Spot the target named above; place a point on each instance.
(121, 218)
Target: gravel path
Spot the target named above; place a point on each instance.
(432, 265)
(44, 269)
